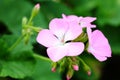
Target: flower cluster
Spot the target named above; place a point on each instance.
(69, 36)
(59, 39)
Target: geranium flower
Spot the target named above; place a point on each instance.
(58, 38)
(98, 45)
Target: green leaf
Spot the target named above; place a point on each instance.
(40, 20)
(108, 12)
(16, 69)
(3, 49)
(43, 71)
(85, 7)
(20, 62)
(43, 0)
(54, 9)
(11, 13)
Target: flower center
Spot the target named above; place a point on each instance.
(62, 40)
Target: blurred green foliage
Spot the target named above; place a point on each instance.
(20, 64)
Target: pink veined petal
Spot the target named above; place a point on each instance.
(73, 32)
(56, 53)
(58, 27)
(74, 48)
(46, 38)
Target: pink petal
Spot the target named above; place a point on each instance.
(100, 58)
(88, 19)
(58, 27)
(74, 48)
(46, 38)
(70, 18)
(73, 32)
(74, 29)
(99, 45)
(86, 22)
(56, 53)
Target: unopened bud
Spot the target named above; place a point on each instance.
(86, 67)
(69, 73)
(37, 6)
(75, 67)
(89, 73)
(24, 21)
(54, 65)
(35, 10)
(68, 77)
(53, 69)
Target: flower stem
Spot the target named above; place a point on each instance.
(86, 67)
(82, 61)
(16, 43)
(41, 57)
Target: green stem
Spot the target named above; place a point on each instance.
(36, 29)
(16, 43)
(30, 20)
(41, 57)
(82, 61)
(86, 67)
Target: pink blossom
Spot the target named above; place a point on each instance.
(98, 45)
(57, 39)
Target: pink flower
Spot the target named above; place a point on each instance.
(98, 45)
(57, 39)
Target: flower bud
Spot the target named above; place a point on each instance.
(85, 67)
(68, 77)
(75, 67)
(69, 73)
(24, 21)
(37, 6)
(54, 65)
(89, 73)
(53, 69)
(35, 10)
